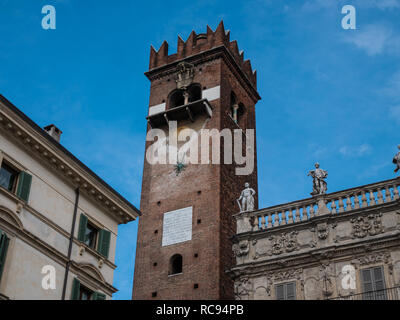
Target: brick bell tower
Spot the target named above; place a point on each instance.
(184, 240)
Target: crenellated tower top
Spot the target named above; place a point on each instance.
(199, 43)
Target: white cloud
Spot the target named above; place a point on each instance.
(355, 151)
(374, 39)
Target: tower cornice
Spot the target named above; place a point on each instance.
(220, 52)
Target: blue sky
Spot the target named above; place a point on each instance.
(328, 94)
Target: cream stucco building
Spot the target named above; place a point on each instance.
(46, 194)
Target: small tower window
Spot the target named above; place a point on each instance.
(176, 99)
(181, 97)
(175, 264)
(194, 91)
(236, 109)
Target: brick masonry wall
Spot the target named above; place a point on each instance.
(211, 190)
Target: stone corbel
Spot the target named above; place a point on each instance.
(101, 262)
(19, 207)
(81, 250)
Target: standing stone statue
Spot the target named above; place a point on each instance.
(396, 160)
(247, 198)
(319, 184)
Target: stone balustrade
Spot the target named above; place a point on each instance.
(333, 203)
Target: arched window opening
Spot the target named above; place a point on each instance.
(194, 92)
(176, 99)
(236, 109)
(181, 97)
(175, 264)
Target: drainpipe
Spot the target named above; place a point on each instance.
(71, 241)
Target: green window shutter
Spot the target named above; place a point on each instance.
(98, 296)
(291, 291)
(4, 241)
(76, 286)
(24, 186)
(280, 292)
(104, 242)
(82, 227)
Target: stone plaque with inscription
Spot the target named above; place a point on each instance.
(177, 226)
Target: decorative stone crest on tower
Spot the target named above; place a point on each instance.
(396, 160)
(185, 75)
(247, 198)
(319, 184)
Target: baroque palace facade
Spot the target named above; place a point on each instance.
(341, 245)
(57, 217)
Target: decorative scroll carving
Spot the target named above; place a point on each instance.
(374, 258)
(327, 276)
(369, 225)
(322, 230)
(241, 249)
(288, 274)
(284, 243)
(243, 288)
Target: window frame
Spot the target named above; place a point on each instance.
(96, 235)
(285, 290)
(17, 172)
(23, 183)
(102, 243)
(374, 293)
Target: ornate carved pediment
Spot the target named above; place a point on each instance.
(93, 271)
(368, 225)
(10, 217)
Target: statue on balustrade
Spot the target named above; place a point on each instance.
(319, 184)
(396, 160)
(247, 199)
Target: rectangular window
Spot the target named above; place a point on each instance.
(80, 292)
(286, 291)
(91, 233)
(373, 284)
(15, 181)
(4, 241)
(85, 293)
(93, 236)
(8, 177)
